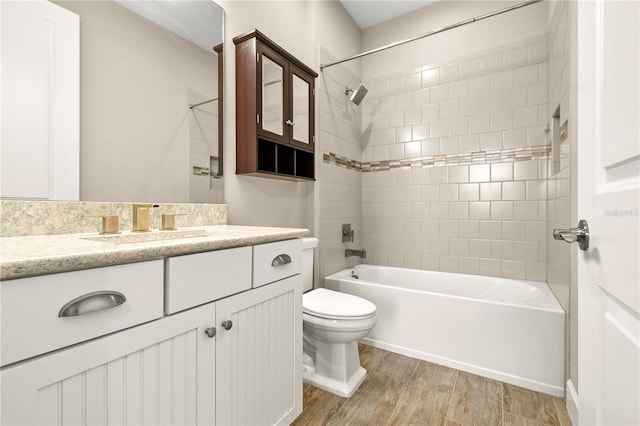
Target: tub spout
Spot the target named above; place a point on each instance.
(360, 253)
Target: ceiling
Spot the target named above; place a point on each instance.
(371, 12)
(205, 19)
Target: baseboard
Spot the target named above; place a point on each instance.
(571, 399)
(469, 368)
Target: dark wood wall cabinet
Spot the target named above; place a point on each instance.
(274, 111)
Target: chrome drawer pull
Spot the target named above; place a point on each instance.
(92, 302)
(281, 259)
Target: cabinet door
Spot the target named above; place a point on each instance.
(273, 90)
(259, 358)
(302, 93)
(162, 372)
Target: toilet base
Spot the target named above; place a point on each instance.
(343, 389)
(331, 359)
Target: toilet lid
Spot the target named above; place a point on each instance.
(328, 303)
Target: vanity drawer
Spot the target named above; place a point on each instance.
(106, 300)
(276, 261)
(195, 279)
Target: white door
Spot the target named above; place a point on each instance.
(162, 372)
(259, 355)
(608, 187)
(40, 89)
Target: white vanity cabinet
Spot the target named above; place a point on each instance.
(234, 360)
(162, 372)
(258, 331)
(259, 359)
(44, 313)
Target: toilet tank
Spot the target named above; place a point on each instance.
(308, 244)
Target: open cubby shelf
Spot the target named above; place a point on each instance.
(281, 160)
(304, 164)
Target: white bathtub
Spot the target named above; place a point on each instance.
(508, 330)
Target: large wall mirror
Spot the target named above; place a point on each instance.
(150, 100)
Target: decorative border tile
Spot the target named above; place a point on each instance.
(340, 161)
(468, 158)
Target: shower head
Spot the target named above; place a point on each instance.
(356, 95)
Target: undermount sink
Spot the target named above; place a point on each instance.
(148, 236)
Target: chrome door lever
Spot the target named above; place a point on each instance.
(572, 235)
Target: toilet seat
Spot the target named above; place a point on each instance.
(329, 304)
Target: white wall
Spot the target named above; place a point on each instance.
(254, 200)
(338, 34)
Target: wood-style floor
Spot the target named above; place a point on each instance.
(404, 391)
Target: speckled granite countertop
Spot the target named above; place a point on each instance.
(47, 254)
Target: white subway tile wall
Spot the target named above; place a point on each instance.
(487, 219)
(340, 132)
(558, 253)
(501, 228)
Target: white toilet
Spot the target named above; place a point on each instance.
(333, 323)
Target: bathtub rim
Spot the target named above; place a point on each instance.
(342, 275)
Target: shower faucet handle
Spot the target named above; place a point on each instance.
(347, 233)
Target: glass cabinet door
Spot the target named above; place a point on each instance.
(273, 95)
(301, 108)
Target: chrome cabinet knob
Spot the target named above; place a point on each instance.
(210, 332)
(227, 324)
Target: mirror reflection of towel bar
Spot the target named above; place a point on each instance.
(192, 106)
(270, 83)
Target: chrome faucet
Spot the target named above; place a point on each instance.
(360, 253)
